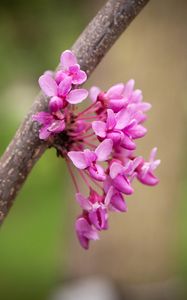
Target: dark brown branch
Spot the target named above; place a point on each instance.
(26, 148)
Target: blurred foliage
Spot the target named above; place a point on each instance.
(33, 34)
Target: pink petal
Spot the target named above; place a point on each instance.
(48, 85)
(143, 106)
(57, 126)
(77, 96)
(43, 118)
(129, 88)
(84, 228)
(116, 137)
(97, 172)
(99, 127)
(44, 133)
(68, 59)
(128, 143)
(137, 131)
(55, 104)
(153, 154)
(79, 78)
(60, 76)
(148, 179)
(90, 156)
(78, 159)
(93, 93)
(123, 118)
(115, 91)
(83, 202)
(115, 169)
(109, 194)
(99, 218)
(118, 203)
(117, 104)
(104, 150)
(111, 119)
(85, 232)
(136, 96)
(122, 184)
(64, 87)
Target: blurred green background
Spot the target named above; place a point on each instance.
(38, 247)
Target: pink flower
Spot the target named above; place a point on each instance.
(96, 207)
(121, 128)
(51, 124)
(61, 93)
(88, 159)
(115, 200)
(70, 68)
(99, 141)
(85, 232)
(145, 170)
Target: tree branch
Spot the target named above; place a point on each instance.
(26, 147)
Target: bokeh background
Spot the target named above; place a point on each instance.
(144, 254)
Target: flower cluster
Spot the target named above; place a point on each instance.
(100, 141)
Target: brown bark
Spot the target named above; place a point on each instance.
(26, 147)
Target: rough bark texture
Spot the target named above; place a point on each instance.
(26, 148)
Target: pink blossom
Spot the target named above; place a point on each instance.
(115, 200)
(96, 208)
(61, 93)
(121, 128)
(51, 124)
(145, 170)
(88, 159)
(70, 68)
(100, 142)
(85, 232)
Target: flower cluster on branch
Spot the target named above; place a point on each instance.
(100, 141)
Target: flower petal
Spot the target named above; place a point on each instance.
(68, 59)
(93, 93)
(77, 96)
(64, 87)
(78, 159)
(122, 184)
(123, 118)
(99, 127)
(44, 133)
(128, 143)
(104, 150)
(149, 179)
(97, 172)
(137, 131)
(57, 126)
(115, 169)
(43, 118)
(111, 120)
(79, 78)
(117, 203)
(48, 85)
(55, 104)
(129, 88)
(99, 218)
(83, 202)
(115, 91)
(117, 104)
(85, 232)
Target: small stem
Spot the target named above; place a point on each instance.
(86, 110)
(84, 178)
(72, 175)
(93, 180)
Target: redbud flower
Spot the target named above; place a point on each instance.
(98, 143)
